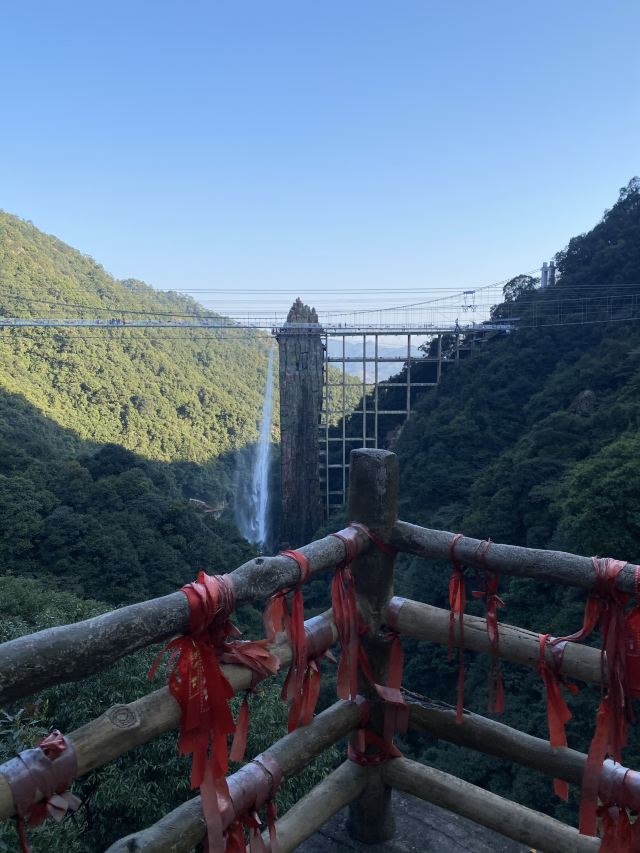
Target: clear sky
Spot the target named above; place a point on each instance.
(342, 144)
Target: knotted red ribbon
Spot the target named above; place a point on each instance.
(300, 687)
(457, 604)
(396, 711)
(49, 768)
(202, 692)
(558, 713)
(606, 605)
(345, 615)
(255, 655)
(492, 603)
(633, 644)
(359, 748)
(619, 835)
(258, 786)
(386, 547)
(618, 791)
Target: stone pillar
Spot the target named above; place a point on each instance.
(301, 368)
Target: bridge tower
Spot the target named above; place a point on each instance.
(301, 380)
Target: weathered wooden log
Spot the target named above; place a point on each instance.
(183, 827)
(72, 652)
(373, 501)
(556, 566)
(425, 622)
(493, 738)
(511, 819)
(123, 727)
(325, 800)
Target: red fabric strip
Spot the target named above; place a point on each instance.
(345, 615)
(457, 604)
(492, 603)
(606, 605)
(558, 713)
(298, 688)
(48, 768)
(386, 547)
(202, 692)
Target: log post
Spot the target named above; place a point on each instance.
(373, 501)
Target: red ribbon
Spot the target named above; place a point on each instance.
(606, 605)
(492, 603)
(260, 781)
(633, 652)
(300, 686)
(386, 547)
(619, 835)
(255, 655)
(457, 603)
(202, 692)
(49, 768)
(345, 615)
(558, 713)
(618, 791)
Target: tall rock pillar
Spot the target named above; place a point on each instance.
(301, 365)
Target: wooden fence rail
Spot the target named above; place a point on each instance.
(554, 566)
(70, 653)
(518, 645)
(292, 753)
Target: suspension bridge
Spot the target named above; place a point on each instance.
(371, 349)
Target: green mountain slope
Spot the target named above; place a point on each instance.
(534, 442)
(105, 434)
(168, 394)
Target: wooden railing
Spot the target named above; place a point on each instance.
(72, 652)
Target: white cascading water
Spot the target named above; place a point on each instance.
(259, 498)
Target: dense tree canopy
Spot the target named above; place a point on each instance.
(533, 441)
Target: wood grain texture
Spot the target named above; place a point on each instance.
(124, 727)
(183, 827)
(519, 645)
(72, 652)
(311, 812)
(555, 566)
(373, 501)
(515, 821)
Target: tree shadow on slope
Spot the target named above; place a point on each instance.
(101, 521)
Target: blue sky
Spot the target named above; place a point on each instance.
(294, 145)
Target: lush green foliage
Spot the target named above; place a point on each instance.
(143, 785)
(104, 435)
(533, 441)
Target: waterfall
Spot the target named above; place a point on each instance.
(251, 509)
(260, 484)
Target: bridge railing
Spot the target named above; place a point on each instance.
(72, 652)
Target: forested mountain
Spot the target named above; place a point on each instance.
(104, 436)
(534, 441)
(106, 433)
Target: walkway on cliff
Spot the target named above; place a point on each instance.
(420, 828)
